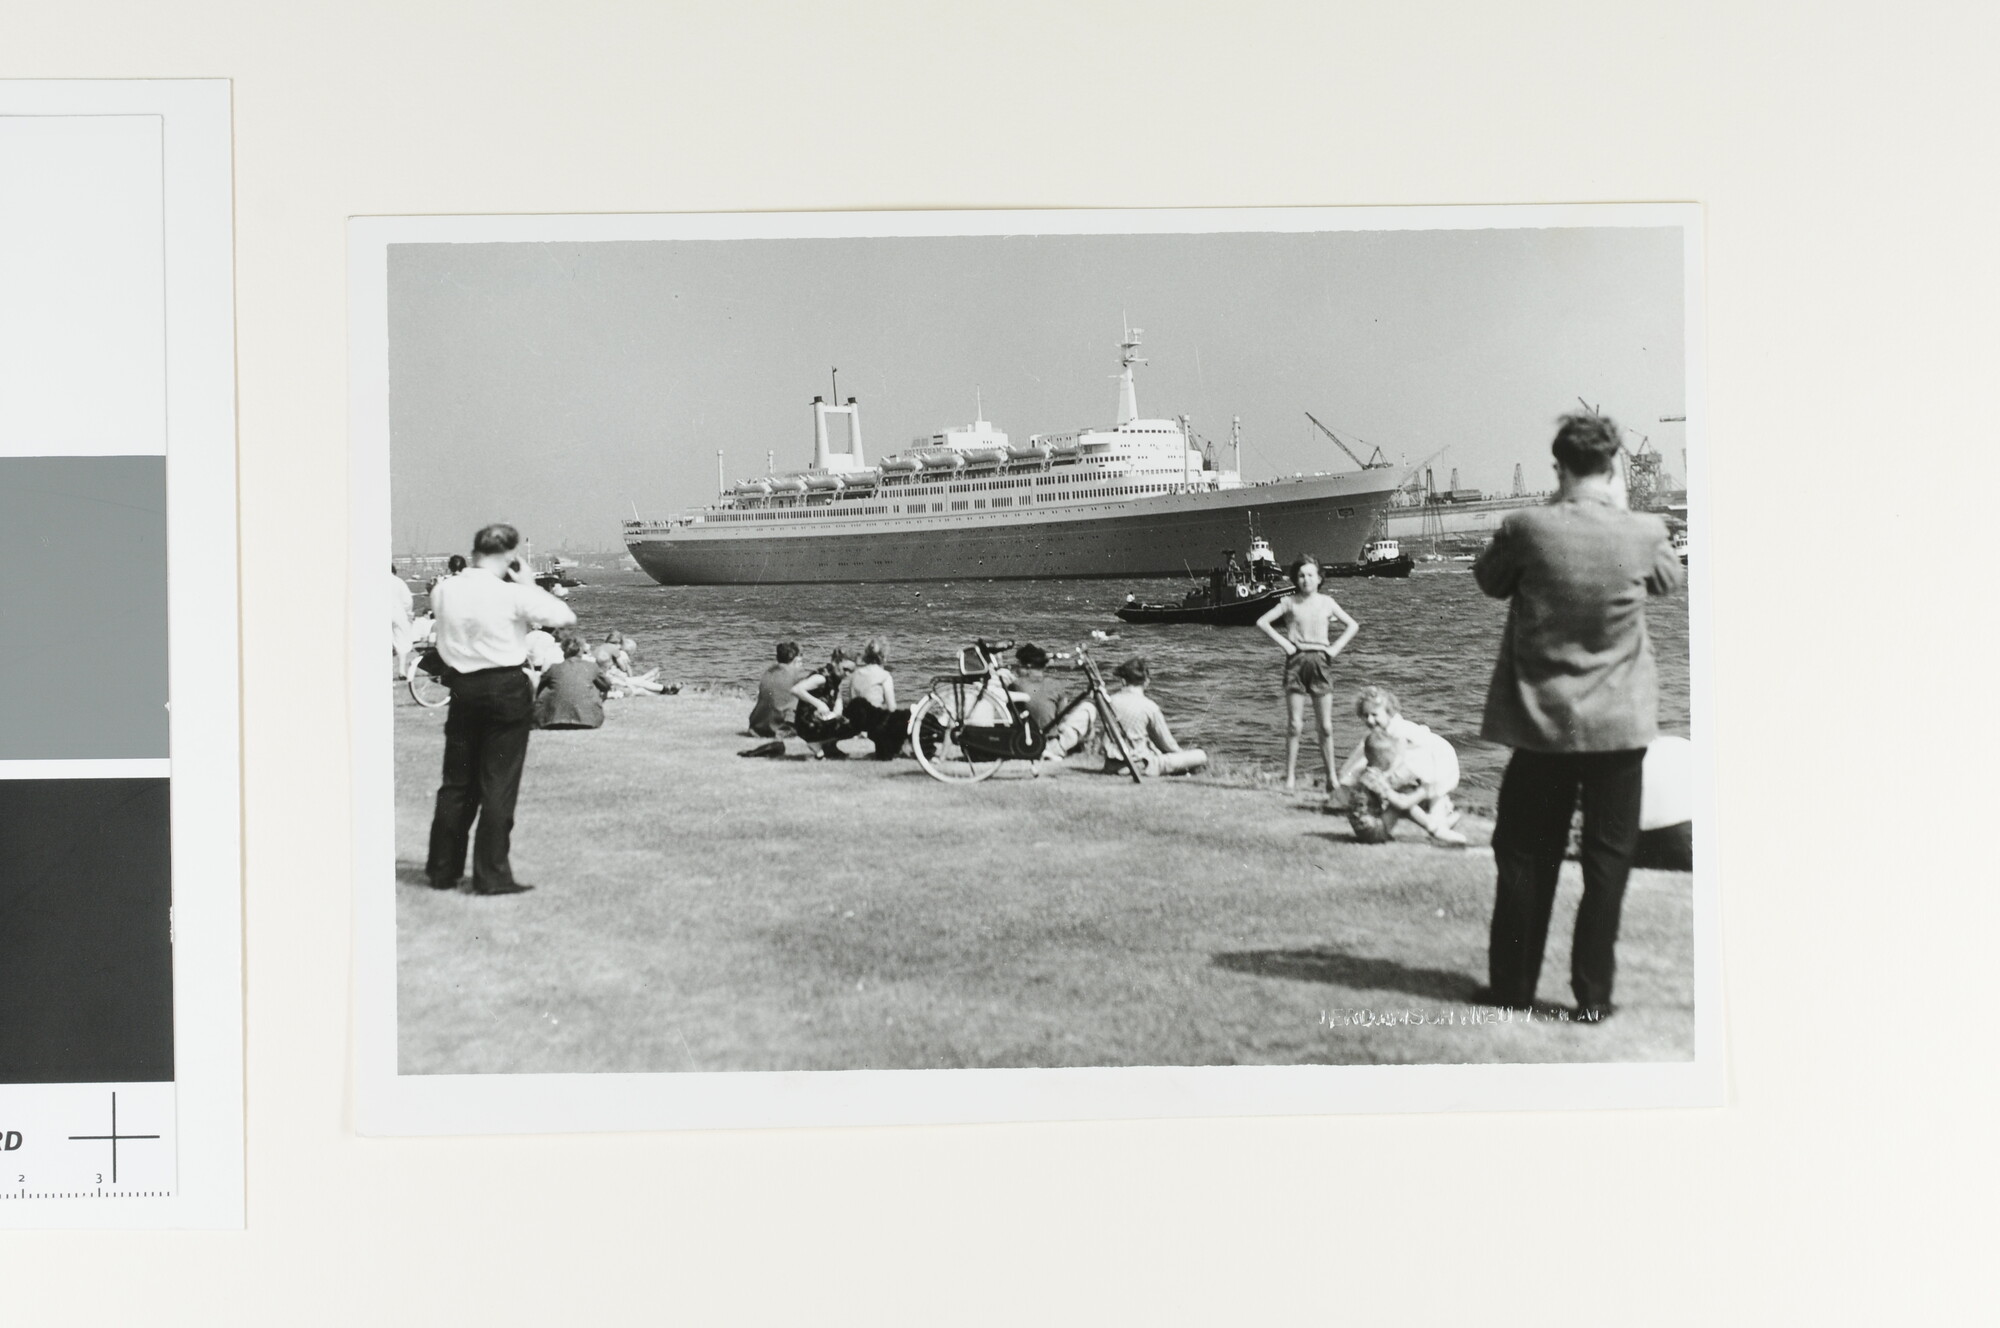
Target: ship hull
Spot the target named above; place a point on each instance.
(1331, 517)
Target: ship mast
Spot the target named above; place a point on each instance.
(1128, 396)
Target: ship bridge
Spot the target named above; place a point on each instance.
(978, 434)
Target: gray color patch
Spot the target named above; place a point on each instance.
(83, 607)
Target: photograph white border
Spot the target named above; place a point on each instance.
(203, 652)
(388, 1103)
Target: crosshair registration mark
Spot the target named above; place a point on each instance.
(114, 1137)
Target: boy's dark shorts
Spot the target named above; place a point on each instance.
(1308, 674)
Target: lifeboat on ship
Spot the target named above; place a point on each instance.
(1068, 447)
(822, 483)
(897, 465)
(860, 479)
(752, 489)
(943, 461)
(983, 456)
(1028, 451)
(788, 484)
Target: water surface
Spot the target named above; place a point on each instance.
(1431, 639)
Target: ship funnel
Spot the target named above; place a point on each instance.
(824, 457)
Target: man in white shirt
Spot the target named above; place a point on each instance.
(484, 615)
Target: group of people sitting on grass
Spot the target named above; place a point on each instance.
(823, 705)
(826, 704)
(1401, 771)
(573, 678)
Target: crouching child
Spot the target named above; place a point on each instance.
(1401, 770)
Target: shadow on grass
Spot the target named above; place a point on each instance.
(1358, 972)
(409, 873)
(1410, 834)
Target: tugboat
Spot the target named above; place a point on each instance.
(1233, 595)
(1382, 557)
(555, 575)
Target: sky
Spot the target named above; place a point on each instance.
(564, 386)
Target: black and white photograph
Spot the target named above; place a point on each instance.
(1023, 642)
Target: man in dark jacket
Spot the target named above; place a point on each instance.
(572, 692)
(1575, 693)
(771, 717)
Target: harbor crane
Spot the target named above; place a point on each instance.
(1644, 485)
(1375, 461)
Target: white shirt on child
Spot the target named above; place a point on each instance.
(1430, 759)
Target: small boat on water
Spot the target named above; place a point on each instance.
(1232, 596)
(557, 573)
(1238, 606)
(1381, 557)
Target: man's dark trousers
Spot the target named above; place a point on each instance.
(1530, 836)
(485, 746)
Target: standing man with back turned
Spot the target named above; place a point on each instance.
(1575, 693)
(483, 618)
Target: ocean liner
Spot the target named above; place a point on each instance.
(1136, 498)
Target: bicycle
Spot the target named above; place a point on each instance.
(423, 672)
(972, 722)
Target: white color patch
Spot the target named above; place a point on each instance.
(83, 343)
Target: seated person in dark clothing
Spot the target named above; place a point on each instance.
(1040, 694)
(821, 717)
(572, 693)
(771, 717)
(1067, 719)
(871, 702)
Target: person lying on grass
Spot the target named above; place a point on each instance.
(1402, 769)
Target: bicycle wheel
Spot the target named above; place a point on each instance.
(935, 723)
(427, 689)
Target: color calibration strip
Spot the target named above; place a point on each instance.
(87, 1094)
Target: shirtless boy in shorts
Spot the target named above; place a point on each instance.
(1309, 617)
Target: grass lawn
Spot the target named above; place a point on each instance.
(694, 911)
